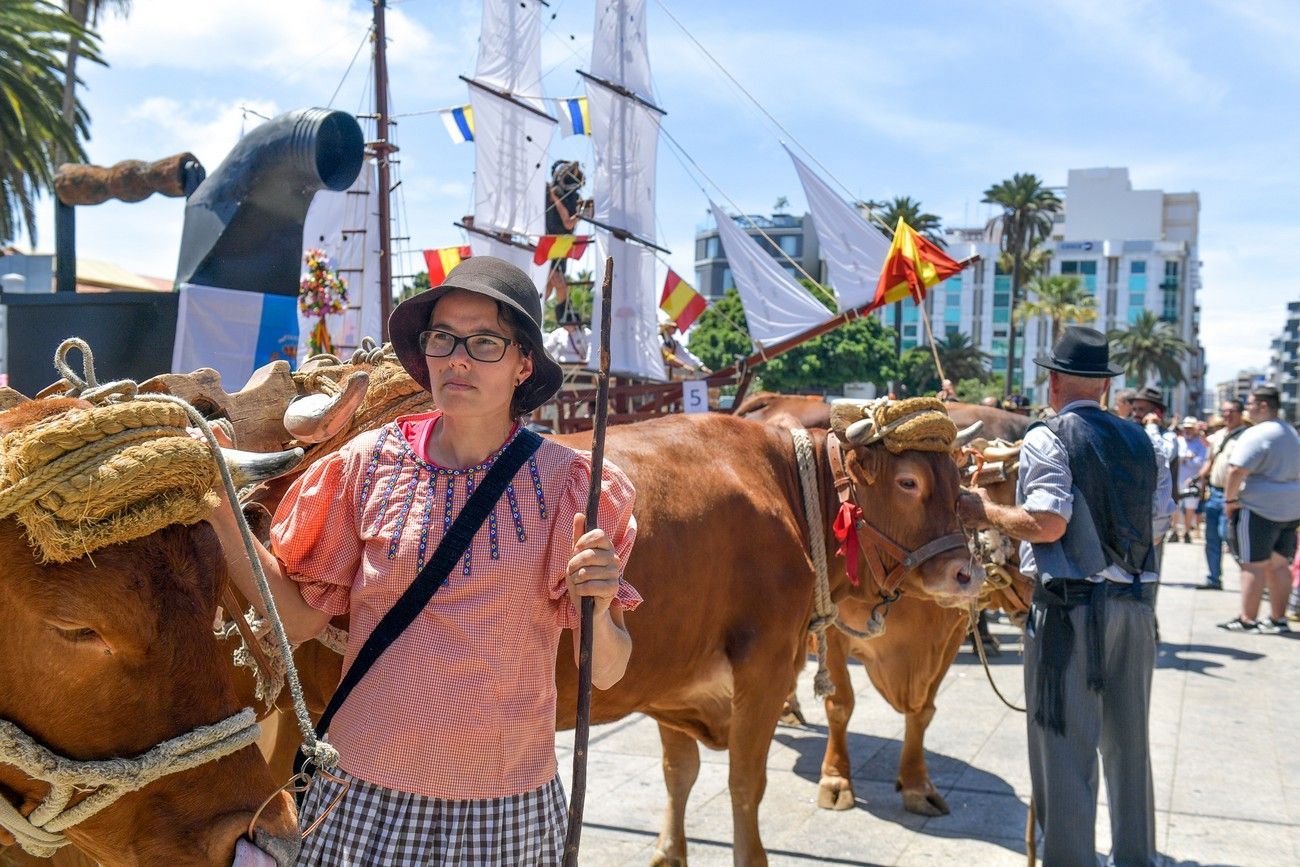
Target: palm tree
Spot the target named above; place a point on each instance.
(1025, 222)
(888, 213)
(1149, 349)
(1061, 299)
(81, 12)
(960, 358)
(34, 38)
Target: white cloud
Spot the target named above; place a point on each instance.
(291, 40)
(208, 128)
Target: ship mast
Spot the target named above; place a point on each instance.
(381, 148)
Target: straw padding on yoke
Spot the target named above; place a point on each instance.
(88, 478)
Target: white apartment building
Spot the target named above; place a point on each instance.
(1133, 249)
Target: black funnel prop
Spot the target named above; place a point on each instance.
(243, 225)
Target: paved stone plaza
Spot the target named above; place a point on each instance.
(1225, 735)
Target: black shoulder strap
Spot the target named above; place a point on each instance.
(435, 572)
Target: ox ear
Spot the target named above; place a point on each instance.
(867, 462)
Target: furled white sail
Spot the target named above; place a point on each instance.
(776, 307)
(346, 226)
(854, 249)
(625, 139)
(512, 132)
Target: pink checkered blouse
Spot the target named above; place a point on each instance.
(462, 705)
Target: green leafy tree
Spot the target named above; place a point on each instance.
(860, 351)
(415, 286)
(1062, 300)
(974, 390)
(34, 41)
(1028, 208)
(917, 376)
(1149, 349)
(961, 359)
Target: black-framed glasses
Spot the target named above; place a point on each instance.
(480, 347)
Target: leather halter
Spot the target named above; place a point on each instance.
(878, 542)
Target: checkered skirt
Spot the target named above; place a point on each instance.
(374, 826)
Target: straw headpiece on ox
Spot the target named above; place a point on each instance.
(915, 423)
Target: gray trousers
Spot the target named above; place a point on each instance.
(1064, 769)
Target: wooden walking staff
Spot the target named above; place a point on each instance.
(582, 727)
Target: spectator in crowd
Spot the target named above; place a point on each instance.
(1215, 475)
(1089, 493)
(570, 342)
(947, 393)
(990, 400)
(563, 210)
(676, 355)
(1123, 405)
(1262, 501)
(1190, 457)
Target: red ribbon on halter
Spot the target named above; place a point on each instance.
(845, 528)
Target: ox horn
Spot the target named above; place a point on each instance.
(966, 434)
(858, 432)
(317, 417)
(1001, 453)
(248, 468)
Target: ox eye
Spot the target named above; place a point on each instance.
(81, 635)
(908, 483)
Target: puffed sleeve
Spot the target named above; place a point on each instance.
(314, 533)
(617, 497)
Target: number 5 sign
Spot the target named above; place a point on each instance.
(695, 395)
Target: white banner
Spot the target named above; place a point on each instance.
(776, 307)
(854, 249)
(233, 331)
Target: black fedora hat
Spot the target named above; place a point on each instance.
(1150, 394)
(1081, 352)
(502, 282)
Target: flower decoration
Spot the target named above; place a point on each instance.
(321, 292)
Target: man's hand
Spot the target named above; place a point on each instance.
(972, 506)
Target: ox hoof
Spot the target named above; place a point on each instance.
(664, 860)
(835, 793)
(925, 803)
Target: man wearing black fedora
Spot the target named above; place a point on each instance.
(1090, 488)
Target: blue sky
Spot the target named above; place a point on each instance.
(936, 100)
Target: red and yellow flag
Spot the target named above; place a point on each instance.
(913, 265)
(560, 247)
(681, 302)
(441, 261)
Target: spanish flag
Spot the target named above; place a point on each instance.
(681, 302)
(560, 247)
(573, 116)
(440, 262)
(912, 266)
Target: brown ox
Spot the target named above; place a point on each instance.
(811, 411)
(907, 663)
(107, 656)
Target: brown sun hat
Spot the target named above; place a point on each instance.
(502, 282)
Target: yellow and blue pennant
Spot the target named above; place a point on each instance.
(459, 122)
(573, 116)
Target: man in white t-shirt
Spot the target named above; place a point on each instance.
(570, 343)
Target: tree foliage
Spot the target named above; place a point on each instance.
(961, 358)
(861, 351)
(1149, 349)
(34, 42)
(1062, 300)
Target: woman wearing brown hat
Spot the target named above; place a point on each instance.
(447, 741)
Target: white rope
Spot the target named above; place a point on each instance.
(823, 612)
(108, 780)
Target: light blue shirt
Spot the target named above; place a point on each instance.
(1046, 485)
